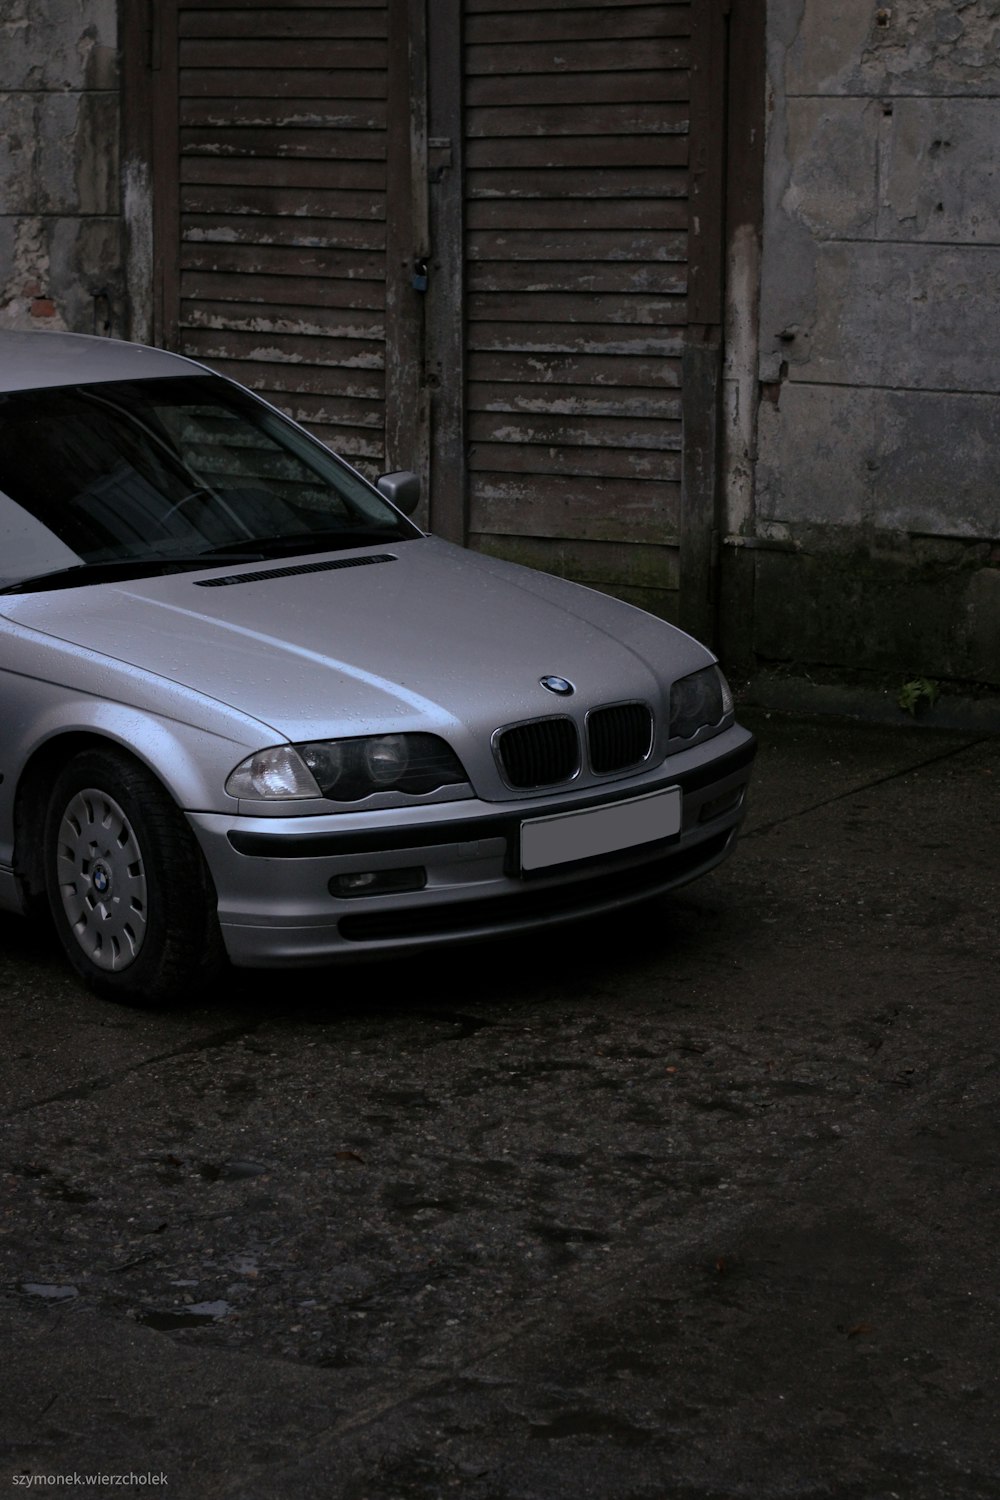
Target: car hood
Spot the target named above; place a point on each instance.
(420, 635)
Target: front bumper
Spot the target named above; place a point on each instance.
(273, 875)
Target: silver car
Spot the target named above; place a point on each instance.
(250, 710)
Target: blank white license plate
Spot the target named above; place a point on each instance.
(600, 830)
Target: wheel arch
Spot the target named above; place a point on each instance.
(128, 889)
(31, 799)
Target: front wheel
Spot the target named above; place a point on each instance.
(130, 896)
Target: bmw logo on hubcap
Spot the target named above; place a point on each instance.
(101, 879)
(557, 685)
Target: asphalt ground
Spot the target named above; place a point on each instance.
(698, 1202)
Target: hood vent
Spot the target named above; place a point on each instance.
(228, 579)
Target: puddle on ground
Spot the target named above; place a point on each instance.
(588, 1424)
(231, 1171)
(48, 1290)
(52, 1184)
(192, 1315)
(569, 1234)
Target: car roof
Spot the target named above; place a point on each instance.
(29, 361)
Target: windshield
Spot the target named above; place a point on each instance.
(184, 472)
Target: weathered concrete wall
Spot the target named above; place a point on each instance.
(60, 225)
(878, 433)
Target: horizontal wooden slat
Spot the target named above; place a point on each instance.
(283, 261)
(536, 24)
(295, 202)
(584, 213)
(265, 83)
(287, 143)
(542, 309)
(281, 291)
(507, 155)
(565, 244)
(255, 171)
(558, 183)
(283, 383)
(536, 372)
(480, 7)
(274, 348)
(588, 276)
(339, 419)
(289, 55)
(295, 19)
(613, 400)
(333, 411)
(623, 118)
(236, 229)
(188, 8)
(538, 89)
(552, 505)
(614, 463)
(628, 433)
(281, 114)
(252, 318)
(361, 446)
(577, 338)
(605, 54)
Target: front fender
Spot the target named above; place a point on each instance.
(188, 741)
(191, 762)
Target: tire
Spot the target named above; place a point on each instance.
(130, 896)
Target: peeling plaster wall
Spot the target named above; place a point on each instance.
(60, 225)
(877, 490)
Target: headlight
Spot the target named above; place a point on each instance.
(387, 758)
(347, 770)
(698, 701)
(269, 774)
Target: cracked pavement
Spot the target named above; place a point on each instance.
(696, 1202)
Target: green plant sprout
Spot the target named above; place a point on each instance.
(919, 693)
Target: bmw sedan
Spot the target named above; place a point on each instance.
(250, 712)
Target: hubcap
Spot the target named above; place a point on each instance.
(102, 884)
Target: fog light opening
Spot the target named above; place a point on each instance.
(378, 882)
(728, 802)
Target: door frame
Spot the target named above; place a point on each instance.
(726, 201)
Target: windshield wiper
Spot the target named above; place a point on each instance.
(78, 575)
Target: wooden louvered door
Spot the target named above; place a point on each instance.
(272, 134)
(556, 168)
(576, 155)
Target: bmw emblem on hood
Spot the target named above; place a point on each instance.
(557, 685)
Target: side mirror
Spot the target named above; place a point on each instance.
(401, 489)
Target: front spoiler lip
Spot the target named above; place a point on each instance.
(460, 923)
(490, 825)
